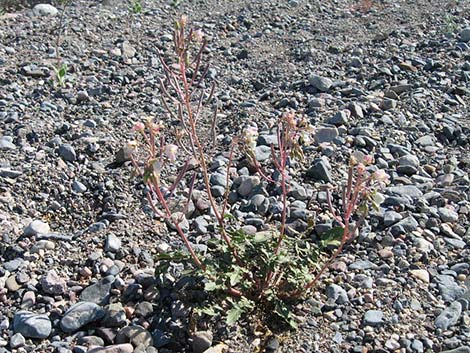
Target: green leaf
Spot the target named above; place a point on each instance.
(210, 286)
(283, 311)
(233, 315)
(209, 311)
(235, 277)
(63, 71)
(261, 237)
(332, 237)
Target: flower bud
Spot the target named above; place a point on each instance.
(138, 127)
(170, 152)
(198, 35)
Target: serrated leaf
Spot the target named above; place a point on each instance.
(332, 237)
(210, 286)
(235, 277)
(233, 315)
(208, 311)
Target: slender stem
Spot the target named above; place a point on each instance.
(162, 200)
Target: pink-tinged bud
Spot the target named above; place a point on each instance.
(183, 20)
(361, 168)
(198, 35)
(170, 152)
(381, 176)
(368, 159)
(138, 127)
(290, 120)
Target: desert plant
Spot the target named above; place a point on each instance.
(135, 6)
(267, 270)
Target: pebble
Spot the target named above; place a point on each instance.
(98, 293)
(320, 171)
(449, 316)
(373, 317)
(323, 84)
(36, 227)
(116, 348)
(113, 243)
(6, 143)
(17, 341)
(136, 335)
(202, 340)
(52, 283)
(337, 294)
(422, 275)
(67, 152)
(448, 215)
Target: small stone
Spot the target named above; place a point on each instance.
(136, 335)
(99, 292)
(336, 293)
(115, 315)
(79, 315)
(325, 134)
(392, 344)
(262, 153)
(28, 300)
(17, 341)
(373, 317)
(128, 50)
(45, 10)
(202, 340)
(117, 348)
(53, 284)
(67, 152)
(180, 219)
(320, 171)
(363, 265)
(323, 84)
(113, 243)
(465, 35)
(6, 143)
(36, 227)
(408, 164)
(32, 325)
(422, 275)
(247, 185)
(78, 187)
(340, 118)
(447, 215)
(449, 317)
(144, 309)
(11, 284)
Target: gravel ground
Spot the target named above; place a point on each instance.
(77, 272)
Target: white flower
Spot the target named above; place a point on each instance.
(170, 151)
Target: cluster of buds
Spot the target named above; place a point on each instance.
(250, 137)
(296, 132)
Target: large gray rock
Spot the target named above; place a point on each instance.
(79, 315)
(323, 84)
(449, 317)
(32, 325)
(44, 10)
